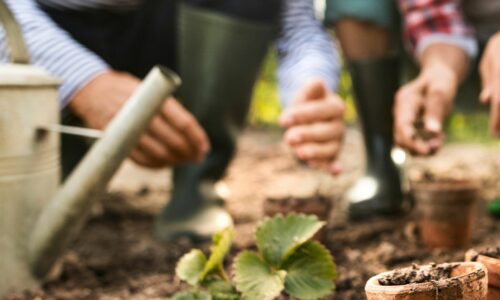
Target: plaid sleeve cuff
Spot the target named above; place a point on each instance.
(466, 43)
(426, 22)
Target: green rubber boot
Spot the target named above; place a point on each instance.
(219, 61)
(378, 192)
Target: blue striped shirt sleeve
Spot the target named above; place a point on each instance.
(305, 50)
(53, 49)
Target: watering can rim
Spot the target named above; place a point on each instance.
(25, 75)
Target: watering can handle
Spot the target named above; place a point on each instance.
(18, 50)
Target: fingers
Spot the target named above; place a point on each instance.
(172, 139)
(156, 152)
(144, 160)
(318, 151)
(439, 96)
(485, 71)
(317, 144)
(315, 126)
(329, 108)
(313, 90)
(485, 96)
(429, 98)
(495, 112)
(334, 168)
(490, 94)
(407, 106)
(490, 77)
(318, 132)
(187, 126)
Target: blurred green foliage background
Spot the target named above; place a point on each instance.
(266, 108)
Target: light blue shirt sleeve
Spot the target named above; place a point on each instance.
(305, 50)
(53, 49)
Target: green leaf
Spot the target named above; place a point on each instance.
(190, 267)
(278, 237)
(192, 295)
(255, 279)
(310, 271)
(220, 247)
(222, 290)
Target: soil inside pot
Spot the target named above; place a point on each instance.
(493, 252)
(418, 274)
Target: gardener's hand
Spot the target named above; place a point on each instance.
(315, 127)
(422, 105)
(173, 137)
(490, 76)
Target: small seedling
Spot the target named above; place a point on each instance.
(286, 261)
(206, 275)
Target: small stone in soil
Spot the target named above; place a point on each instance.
(418, 274)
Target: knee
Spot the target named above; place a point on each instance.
(374, 13)
(363, 27)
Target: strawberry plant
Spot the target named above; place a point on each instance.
(286, 260)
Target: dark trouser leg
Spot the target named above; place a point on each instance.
(219, 60)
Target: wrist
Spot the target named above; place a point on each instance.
(80, 101)
(441, 72)
(446, 60)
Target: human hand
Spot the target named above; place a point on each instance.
(421, 107)
(315, 127)
(173, 137)
(489, 69)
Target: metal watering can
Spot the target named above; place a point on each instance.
(38, 218)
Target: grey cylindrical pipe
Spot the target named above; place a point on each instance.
(66, 214)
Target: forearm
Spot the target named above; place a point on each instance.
(53, 49)
(305, 50)
(451, 61)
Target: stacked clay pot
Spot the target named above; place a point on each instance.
(493, 267)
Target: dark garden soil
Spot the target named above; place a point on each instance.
(418, 274)
(116, 257)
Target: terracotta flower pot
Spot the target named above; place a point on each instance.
(446, 212)
(493, 266)
(467, 281)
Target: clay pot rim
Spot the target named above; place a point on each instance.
(373, 285)
(492, 264)
(446, 185)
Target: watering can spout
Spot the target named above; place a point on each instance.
(66, 213)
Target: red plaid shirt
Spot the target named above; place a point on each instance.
(430, 21)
